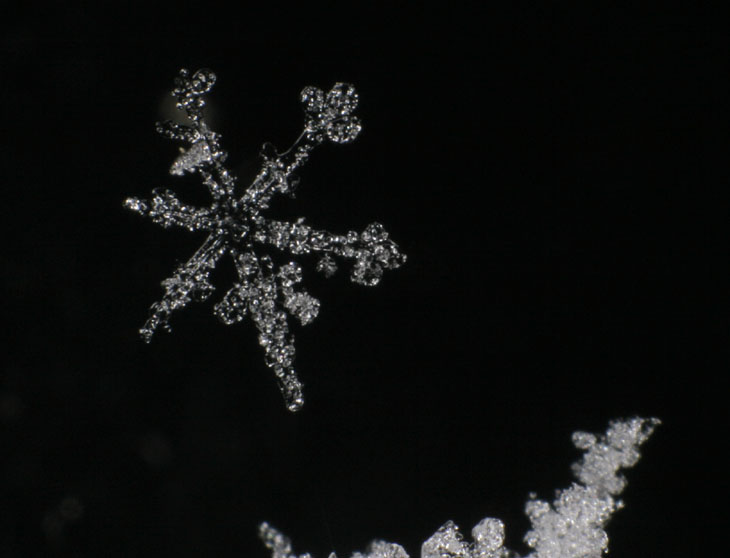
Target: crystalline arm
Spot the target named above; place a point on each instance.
(274, 335)
(276, 174)
(256, 293)
(372, 249)
(189, 281)
(204, 152)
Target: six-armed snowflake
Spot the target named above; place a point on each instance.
(236, 226)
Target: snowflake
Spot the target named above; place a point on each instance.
(571, 527)
(236, 226)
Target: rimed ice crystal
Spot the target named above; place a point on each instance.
(235, 226)
(571, 527)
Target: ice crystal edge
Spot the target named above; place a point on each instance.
(572, 526)
(236, 226)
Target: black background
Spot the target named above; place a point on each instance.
(554, 178)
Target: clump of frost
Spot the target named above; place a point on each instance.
(572, 526)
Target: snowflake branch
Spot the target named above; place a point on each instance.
(276, 174)
(372, 249)
(189, 282)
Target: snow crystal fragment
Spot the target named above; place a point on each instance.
(488, 537)
(447, 542)
(279, 544)
(189, 161)
(571, 527)
(382, 549)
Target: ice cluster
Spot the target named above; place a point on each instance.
(571, 527)
(266, 292)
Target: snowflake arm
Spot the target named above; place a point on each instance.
(166, 210)
(236, 226)
(571, 527)
(189, 282)
(326, 117)
(256, 294)
(372, 249)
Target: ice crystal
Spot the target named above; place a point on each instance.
(571, 527)
(236, 226)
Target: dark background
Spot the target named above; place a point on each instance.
(555, 180)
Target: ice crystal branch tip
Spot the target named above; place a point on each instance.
(266, 292)
(572, 526)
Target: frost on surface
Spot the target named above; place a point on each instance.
(236, 226)
(571, 527)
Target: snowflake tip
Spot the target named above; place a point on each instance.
(135, 204)
(146, 333)
(295, 404)
(331, 115)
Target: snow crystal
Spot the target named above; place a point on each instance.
(236, 226)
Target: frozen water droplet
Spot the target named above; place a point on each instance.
(343, 130)
(488, 537)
